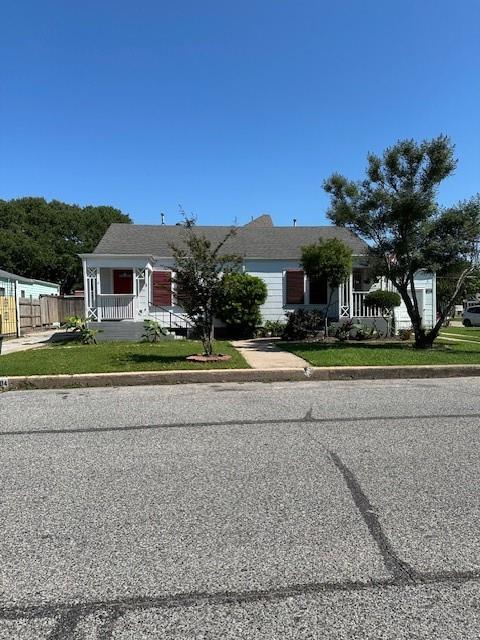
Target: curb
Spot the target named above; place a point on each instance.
(128, 379)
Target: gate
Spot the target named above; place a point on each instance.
(8, 316)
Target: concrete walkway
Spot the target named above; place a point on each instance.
(30, 341)
(262, 353)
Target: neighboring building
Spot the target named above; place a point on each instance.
(26, 287)
(128, 277)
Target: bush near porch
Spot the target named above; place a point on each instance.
(394, 353)
(110, 357)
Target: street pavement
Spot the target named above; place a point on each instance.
(324, 510)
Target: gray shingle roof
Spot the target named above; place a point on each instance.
(6, 275)
(250, 241)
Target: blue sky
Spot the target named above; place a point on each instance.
(229, 108)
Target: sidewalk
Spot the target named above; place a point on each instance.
(262, 353)
(30, 341)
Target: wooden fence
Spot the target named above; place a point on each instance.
(37, 314)
(57, 309)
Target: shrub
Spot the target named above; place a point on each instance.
(405, 334)
(78, 325)
(304, 323)
(73, 322)
(364, 332)
(349, 330)
(239, 301)
(386, 301)
(153, 331)
(273, 328)
(88, 336)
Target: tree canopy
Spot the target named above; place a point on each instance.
(329, 260)
(395, 209)
(40, 239)
(199, 270)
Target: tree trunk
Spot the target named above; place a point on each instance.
(326, 312)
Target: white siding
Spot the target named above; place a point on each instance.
(425, 283)
(35, 290)
(272, 272)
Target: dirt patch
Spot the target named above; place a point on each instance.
(200, 357)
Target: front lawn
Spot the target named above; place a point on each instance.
(470, 333)
(393, 354)
(115, 356)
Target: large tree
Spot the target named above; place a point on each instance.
(395, 210)
(41, 239)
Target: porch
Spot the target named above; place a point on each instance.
(351, 298)
(118, 291)
(127, 292)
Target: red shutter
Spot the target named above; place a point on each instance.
(295, 286)
(318, 291)
(162, 288)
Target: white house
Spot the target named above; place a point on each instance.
(128, 278)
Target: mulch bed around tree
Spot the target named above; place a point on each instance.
(200, 357)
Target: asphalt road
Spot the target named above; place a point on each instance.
(296, 510)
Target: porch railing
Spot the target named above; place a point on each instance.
(360, 309)
(115, 306)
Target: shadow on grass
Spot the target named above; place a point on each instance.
(316, 347)
(139, 358)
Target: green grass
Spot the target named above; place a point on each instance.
(472, 333)
(394, 354)
(115, 356)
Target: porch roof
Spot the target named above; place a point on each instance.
(250, 241)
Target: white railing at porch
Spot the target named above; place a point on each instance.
(360, 309)
(115, 306)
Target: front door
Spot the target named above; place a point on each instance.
(122, 281)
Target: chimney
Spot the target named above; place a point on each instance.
(162, 216)
(294, 222)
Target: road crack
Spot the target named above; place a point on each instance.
(399, 569)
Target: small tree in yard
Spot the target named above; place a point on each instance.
(239, 302)
(330, 260)
(386, 301)
(199, 269)
(395, 210)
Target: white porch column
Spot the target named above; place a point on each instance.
(350, 294)
(92, 310)
(345, 298)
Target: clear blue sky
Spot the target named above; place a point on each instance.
(229, 108)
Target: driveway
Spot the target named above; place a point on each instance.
(32, 340)
(298, 510)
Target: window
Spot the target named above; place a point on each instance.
(317, 291)
(2, 291)
(162, 288)
(22, 293)
(295, 285)
(473, 310)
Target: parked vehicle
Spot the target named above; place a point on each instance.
(471, 317)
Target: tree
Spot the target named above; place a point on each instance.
(239, 302)
(386, 301)
(329, 260)
(199, 269)
(42, 240)
(446, 285)
(395, 210)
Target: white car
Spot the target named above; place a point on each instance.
(471, 317)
